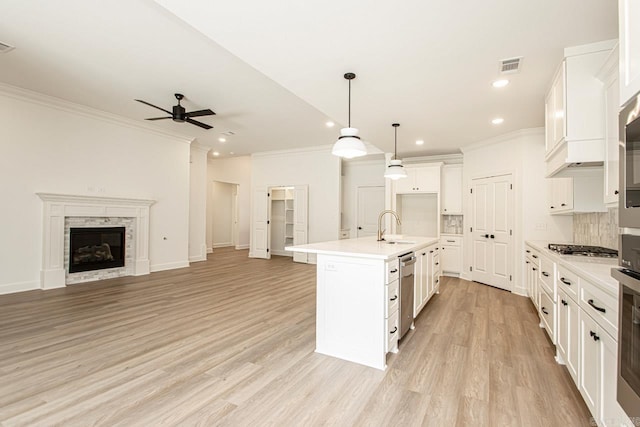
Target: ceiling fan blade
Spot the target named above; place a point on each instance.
(159, 118)
(202, 125)
(199, 113)
(154, 106)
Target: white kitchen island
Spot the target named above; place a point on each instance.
(357, 296)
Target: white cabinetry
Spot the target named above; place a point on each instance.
(581, 193)
(451, 254)
(629, 27)
(609, 76)
(568, 332)
(451, 197)
(392, 298)
(427, 277)
(532, 263)
(547, 286)
(560, 195)
(574, 108)
(420, 179)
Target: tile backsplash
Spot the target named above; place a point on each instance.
(596, 229)
(452, 224)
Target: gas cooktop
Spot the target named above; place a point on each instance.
(583, 250)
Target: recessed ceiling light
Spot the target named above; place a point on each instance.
(232, 153)
(222, 139)
(215, 153)
(420, 142)
(500, 83)
(497, 120)
(330, 124)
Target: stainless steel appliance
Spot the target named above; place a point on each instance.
(407, 283)
(583, 250)
(629, 198)
(629, 325)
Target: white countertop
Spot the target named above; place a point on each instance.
(597, 270)
(366, 247)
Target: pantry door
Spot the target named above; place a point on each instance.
(492, 231)
(370, 204)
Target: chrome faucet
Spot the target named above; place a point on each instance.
(380, 230)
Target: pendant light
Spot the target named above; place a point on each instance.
(349, 144)
(395, 170)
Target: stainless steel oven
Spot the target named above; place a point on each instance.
(629, 325)
(629, 197)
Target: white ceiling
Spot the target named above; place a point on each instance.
(272, 71)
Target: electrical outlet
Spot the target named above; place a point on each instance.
(541, 226)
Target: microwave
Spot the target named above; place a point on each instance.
(629, 143)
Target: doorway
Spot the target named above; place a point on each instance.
(370, 202)
(492, 231)
(223, 230)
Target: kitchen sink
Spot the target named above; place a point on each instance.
(400, 242)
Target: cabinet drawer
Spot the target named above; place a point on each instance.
(602, 307)
(344, 234)
(392, 298)
(436, 281)
(547, 276)
(436, 262)
(392, 271)
(569, 282)
(392, 332)
(548, 314)
(533, 256)
(451, 241)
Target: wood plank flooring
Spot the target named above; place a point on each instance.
(230, 342)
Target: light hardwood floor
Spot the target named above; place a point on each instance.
(230, 342)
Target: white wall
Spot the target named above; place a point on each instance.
(221, 214)
(318, 169)
(235, 170)
(520, 153)
(198, 203)
(356, 173)
(52, 146)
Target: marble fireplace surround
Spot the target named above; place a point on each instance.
(57, 207)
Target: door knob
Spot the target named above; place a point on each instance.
(493, 237)
(359, 228)
(486, 236)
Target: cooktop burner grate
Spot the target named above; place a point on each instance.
(583, 250)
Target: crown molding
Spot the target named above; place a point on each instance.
(325, 149)
(443, 158)
(503, 138)
(83, 110)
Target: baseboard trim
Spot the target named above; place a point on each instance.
(169, 266)
(282, 253)
(12, 288)
(519, 291)
(222, 245)
(239, 247)
(197, 258)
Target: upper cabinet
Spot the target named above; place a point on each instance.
(451, 197)
(610, 79)
(420, 179)
(574, 107)
(629, 25)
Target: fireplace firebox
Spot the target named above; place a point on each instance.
(96, 248)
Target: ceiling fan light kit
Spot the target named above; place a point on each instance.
(349, 144)
(395, 170)
(180, 115)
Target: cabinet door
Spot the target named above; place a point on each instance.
(590, 362)
(424, 276)
(549, 122)
(611, 414)
(451, 259)
(408, 184)
(560, 195)
(427, 179)
(568, 333)
(421, 267)
(611, 186)
(628, 18)
(559, 114)
(451, 190)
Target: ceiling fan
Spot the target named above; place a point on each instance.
(180, 115)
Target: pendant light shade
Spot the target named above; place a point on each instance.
(349, 144)
(395, 170)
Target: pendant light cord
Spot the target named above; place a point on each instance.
(395, 143)
(349, 103)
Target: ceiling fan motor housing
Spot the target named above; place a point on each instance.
(179, 114)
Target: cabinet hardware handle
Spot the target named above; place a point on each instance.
(451, 241)
(535, 269)
(564, 302)
(594, 336)
(437, 249)
(430, 252)
(437, 263)
(527, 262)
(552, 207)
(424, 253)
(565, 281)
(590, 302)
(395, 270)
(394, 331)
(563, 204)
(535, 256)
(359, 228)
(528, 251)
(616, 192)
(394, 298)
(544, 310)
(492, 236)
(545, 274)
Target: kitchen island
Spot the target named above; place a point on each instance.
(357, 296)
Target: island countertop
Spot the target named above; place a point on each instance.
(366, 247)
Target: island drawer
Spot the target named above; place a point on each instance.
(392, 298)
(392, 332)
(392, 268)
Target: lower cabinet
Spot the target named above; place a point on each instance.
(427, 277)
(451, 255)
(568, 333)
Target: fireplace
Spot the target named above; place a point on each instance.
(96, 248)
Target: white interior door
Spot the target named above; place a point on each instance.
(492, 203)
(370, 203)
(261, 205)
(300, 220)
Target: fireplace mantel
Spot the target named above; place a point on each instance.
(59, 206)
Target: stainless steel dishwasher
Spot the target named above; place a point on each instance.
(407, 282)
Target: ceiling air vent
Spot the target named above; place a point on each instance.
(511, 65)
(4, 48)
(228, 133)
